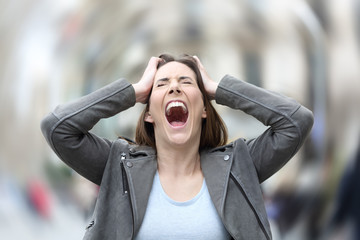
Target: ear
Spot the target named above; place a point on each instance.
(148, 118)
(204, 114)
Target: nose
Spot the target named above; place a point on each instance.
(174, 87)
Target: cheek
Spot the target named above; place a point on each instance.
(154, 105)
(198, 105)
(198, 97)
(153, 99)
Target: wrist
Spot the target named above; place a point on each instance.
(140, 93)
(211, 89)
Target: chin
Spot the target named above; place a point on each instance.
(178, 141)
(182, 140)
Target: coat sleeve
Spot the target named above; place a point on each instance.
(66, 129)
(289, 123)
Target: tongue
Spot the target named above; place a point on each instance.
(176, 124)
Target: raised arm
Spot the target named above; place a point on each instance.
(289, 122)
(66, 129)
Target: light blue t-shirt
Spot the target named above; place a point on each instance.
(168, 219)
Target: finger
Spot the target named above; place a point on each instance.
(201, 68)
(198, 62)
(156, 60)
(153, 63)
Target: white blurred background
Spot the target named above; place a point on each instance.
(54, 51)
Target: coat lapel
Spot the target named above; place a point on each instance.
(216, 168)
(140, 173)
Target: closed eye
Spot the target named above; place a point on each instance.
(162, 82)
(186, 80)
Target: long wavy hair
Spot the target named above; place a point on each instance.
(213, 129)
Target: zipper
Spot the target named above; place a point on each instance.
(90, 225)
(252, 207)
(123, 174)
(126, 188)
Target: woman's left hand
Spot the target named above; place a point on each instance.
(209, 84)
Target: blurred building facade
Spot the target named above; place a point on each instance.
(57, 51)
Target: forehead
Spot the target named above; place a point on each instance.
(174, 69)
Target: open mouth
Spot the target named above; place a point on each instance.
(176, 113)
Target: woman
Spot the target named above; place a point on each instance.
(180, 180)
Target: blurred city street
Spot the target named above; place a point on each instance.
(55, 51)
(19, 221)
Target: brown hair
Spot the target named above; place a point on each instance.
(213, 130)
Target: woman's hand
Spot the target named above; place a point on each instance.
(143, 87)
(209, 84)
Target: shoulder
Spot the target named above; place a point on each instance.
(231, 147)
(130, 148)
(238, 153)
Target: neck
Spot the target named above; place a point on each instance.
(179, 161)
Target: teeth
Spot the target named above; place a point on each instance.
(176, 104)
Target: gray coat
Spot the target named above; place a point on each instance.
(125, 172)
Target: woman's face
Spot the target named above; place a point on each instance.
(176, 106)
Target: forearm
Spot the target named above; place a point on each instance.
(85, 112)
(266, 106)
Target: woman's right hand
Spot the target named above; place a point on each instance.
(143, 87)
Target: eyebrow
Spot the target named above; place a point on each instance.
(161, 80)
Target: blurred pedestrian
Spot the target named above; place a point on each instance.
(346, 217)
